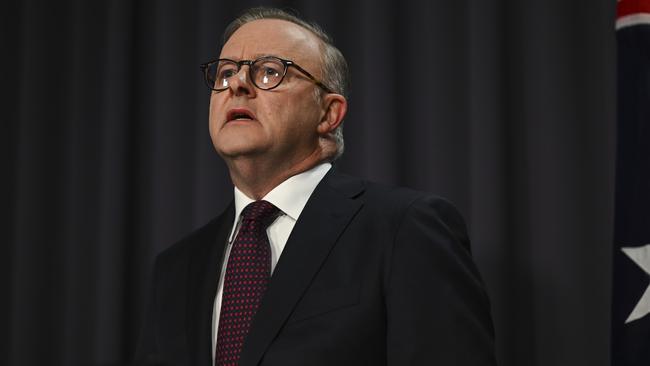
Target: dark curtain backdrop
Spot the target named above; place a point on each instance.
(506, 107)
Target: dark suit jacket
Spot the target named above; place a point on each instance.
(371, 275)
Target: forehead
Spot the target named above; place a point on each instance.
(272, 37)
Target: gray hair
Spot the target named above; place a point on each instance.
(334, 69)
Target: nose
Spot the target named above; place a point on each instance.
(240, 84)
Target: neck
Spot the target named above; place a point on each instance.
(256, 176)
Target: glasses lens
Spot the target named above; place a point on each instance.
(267, 72)
(218, 73)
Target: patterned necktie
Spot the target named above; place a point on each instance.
(247, 275)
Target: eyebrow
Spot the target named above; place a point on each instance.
(255, 56)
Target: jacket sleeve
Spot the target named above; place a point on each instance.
(438, 312)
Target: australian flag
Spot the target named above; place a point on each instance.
(631, 282)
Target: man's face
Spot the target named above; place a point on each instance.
(284, 119)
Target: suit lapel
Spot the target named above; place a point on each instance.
(327, 213)
(203, 276)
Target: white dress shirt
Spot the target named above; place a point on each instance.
(290, 197)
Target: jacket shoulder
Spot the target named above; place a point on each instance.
(393, 204)
(391, 196)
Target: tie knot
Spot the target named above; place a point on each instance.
(262, 212)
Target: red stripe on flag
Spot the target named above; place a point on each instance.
(628, 7)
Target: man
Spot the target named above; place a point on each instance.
(308, 266)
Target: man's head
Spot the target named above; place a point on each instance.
(291, 121)
(334, 66)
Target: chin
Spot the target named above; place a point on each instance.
(235, 149)
(233, 142)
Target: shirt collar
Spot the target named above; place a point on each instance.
(289, 196)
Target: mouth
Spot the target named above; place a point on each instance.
(239, 114)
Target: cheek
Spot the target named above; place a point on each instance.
(301, 120)
(275, 113)
(216, 111)
(215, 115)
(214, 106)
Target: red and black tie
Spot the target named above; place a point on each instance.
(247, 276)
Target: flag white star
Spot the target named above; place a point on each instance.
(640, 256)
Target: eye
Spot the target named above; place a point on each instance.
(228, 73)
(226, 70)
(271, 71)
(268, 72)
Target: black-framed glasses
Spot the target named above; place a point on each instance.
(265, 73)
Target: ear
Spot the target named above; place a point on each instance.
(335, 106)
